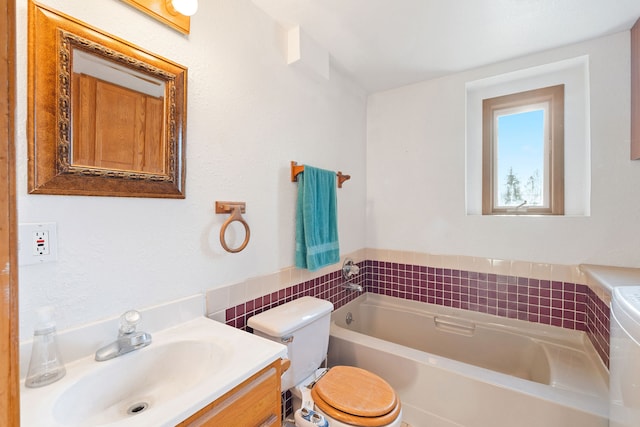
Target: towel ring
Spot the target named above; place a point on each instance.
(235, 209)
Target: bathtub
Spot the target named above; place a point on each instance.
(453, 367)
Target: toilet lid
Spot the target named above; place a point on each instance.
(356, 393)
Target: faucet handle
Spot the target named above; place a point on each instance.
(349, 269)
(128, 322)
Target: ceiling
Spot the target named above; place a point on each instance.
(389, 43)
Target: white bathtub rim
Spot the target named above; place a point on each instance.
(583, 402)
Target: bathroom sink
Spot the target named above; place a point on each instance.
(185, 368)
(138, 381)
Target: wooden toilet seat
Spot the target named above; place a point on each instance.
(356, 396)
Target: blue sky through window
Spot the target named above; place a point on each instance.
(521, 147)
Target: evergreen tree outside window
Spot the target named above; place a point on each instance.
(523, 153)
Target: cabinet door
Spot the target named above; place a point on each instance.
(254, 403)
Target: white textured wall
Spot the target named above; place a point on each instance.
(416, 171)
(249, 115)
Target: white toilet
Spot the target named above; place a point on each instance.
(343, 396)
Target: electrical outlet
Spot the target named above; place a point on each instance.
(37, 243)
(40, 240)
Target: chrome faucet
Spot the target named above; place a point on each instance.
(350, 270)
(352, 286)
(128, 338)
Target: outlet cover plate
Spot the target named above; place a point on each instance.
(29, 233)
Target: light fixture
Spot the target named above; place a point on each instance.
(184, 7)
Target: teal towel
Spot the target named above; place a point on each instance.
(316, 219)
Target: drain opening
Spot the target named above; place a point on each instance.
(349, 318)
(137, 408)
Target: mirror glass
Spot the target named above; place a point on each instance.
(117, 120)
(105, 117)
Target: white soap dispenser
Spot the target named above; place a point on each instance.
(46, 365)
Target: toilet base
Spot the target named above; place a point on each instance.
(309, 418)
(336, 423)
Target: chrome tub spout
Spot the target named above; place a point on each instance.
(352, 287)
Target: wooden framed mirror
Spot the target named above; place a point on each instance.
(105, 117)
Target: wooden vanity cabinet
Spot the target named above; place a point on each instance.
(254, 403)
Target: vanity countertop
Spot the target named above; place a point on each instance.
(233, 356)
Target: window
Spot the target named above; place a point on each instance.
(523, 153)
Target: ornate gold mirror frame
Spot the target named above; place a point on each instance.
(54, 38)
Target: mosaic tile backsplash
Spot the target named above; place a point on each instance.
(562, 304)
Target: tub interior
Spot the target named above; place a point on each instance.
(453, 367)
(540, 353)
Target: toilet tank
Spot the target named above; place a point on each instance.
(303, 326)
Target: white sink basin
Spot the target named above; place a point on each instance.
(138, 381)
(185, 368)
